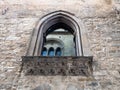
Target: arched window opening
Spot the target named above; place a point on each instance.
(58, 33)
(51, 52)
(44, 52)
(53, 43)
(58, 52)
(49, 24)
(62, 36)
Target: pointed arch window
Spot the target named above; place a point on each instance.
(78, 64)
(52, 21)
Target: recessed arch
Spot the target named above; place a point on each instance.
(60, 25)
(50, 20)
(44, 51)
(51, 51)
(58, 52)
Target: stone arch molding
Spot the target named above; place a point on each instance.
(39, 32)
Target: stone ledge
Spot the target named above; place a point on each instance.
(51, 66)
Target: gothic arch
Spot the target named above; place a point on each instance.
(47, 21)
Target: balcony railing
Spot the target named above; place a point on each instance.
(51, 66)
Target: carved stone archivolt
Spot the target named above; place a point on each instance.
(73, 66)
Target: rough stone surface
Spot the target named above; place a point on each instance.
(101, 20)
(52, 66)
(43, 87)
(71, 87)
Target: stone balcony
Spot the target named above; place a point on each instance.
(52, 66)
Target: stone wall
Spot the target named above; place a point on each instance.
(101, 20)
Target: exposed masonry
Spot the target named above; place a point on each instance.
(102, 25)
(52, 66)
(36, 45)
